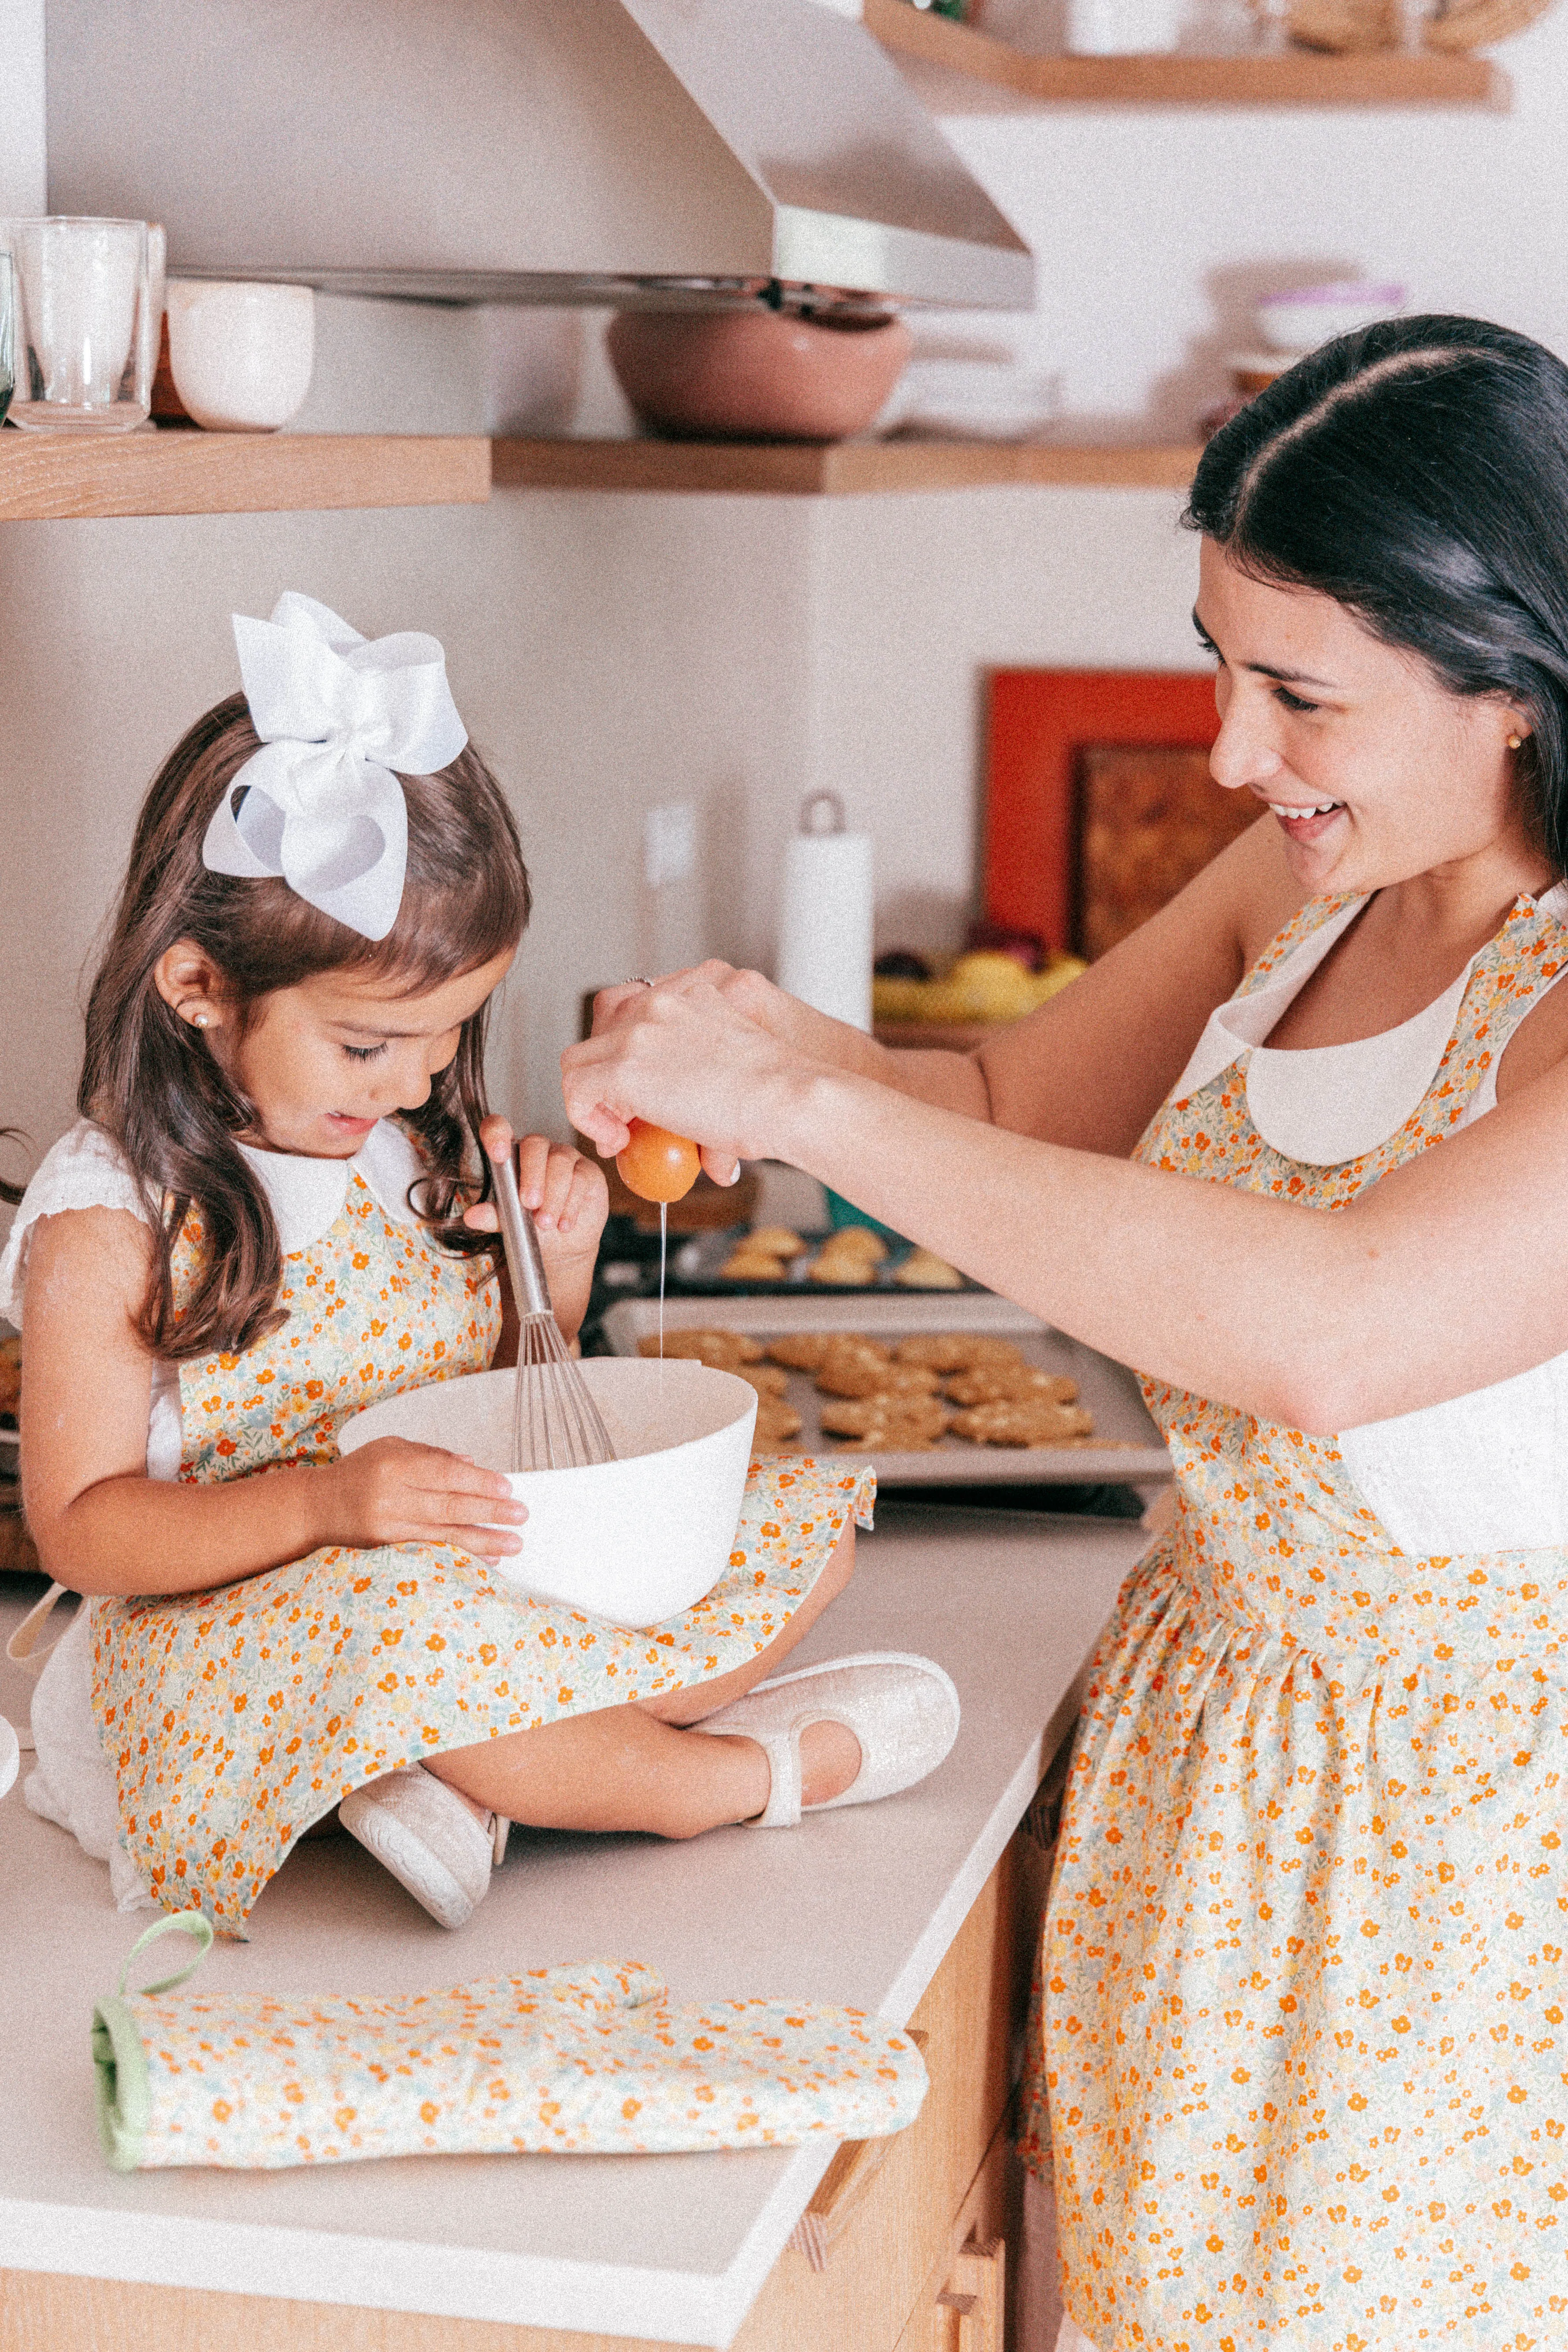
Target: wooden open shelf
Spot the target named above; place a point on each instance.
(50, 477)
(47, 475)
(837, 469)
(1298, 77)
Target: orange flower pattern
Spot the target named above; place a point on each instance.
(1301, 1987)
(237, 1716)
(593, 2056)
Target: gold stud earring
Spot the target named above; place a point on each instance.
(1515, 742)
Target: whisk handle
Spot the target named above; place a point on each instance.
(524, 1263)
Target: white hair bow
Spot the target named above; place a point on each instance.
(337, 715)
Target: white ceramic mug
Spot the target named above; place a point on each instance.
(241, 355)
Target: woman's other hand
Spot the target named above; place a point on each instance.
(570, 1201)
(395, 1492)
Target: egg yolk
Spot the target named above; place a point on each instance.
(656, 1165)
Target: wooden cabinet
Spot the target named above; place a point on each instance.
(903, 2249)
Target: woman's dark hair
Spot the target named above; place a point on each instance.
(1417, 471)
(149, 1078)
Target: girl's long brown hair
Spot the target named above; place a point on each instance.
(149, 1079)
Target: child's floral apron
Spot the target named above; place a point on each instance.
(236, 1718)
(1303, 1974)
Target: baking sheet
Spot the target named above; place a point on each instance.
(697, 1266)
(1133, 1452)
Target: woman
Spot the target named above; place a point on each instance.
(1303, 1968)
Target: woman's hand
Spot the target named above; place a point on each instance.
(570, 1201)
(795, 1025)
(712, 1052)
(395, 1492)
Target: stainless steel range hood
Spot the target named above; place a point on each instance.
(557, 150)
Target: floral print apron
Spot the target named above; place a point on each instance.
(236, 1718)
(1305, 1963)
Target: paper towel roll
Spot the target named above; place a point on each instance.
(825, 924)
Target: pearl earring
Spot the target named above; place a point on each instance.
(199, 1021)
(1515, 742)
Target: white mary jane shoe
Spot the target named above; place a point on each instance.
(903, 1709)
(426, 1836)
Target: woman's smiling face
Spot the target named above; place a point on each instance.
(1374, 771)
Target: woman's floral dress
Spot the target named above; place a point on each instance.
(1305, 1965)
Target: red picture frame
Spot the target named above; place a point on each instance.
(1040, 723)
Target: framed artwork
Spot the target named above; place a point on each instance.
(1099, 803)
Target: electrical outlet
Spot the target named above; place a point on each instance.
(668, 844)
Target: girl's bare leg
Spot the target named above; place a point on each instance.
(636, 1767)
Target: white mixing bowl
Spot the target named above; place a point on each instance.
(636, 1540)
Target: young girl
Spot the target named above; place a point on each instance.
(272, 1214)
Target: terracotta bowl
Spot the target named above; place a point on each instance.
(755, 376)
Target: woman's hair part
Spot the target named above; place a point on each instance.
(151, 1081)
(1416, 472)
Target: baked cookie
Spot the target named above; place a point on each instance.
(939, 1351)
(984, 1348)
(1011, 1422)
(839, 1272)
(959, 1351)
(845, 1375)
(768, 1379)
(886, 1438)
(922, 1419)
(849, 1257)
(777, 1423)
(803, 1351)
(856, 1240)
(995, 1383)
(774, 1241)
(808, 1351)
(922, 1270)
(752, 1266)
(723, 1351)
(851, 1348)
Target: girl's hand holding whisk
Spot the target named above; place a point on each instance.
(570, 1201)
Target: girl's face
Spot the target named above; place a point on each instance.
(1373, 770)
(323, 1061)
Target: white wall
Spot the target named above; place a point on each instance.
(607, 654)
(1154, 229)
(21, 107)
(913, 600)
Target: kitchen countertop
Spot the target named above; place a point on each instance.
(858, 1906)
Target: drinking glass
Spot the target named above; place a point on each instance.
(8, 330)
(84, 357)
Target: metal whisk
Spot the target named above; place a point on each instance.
(555, 1425)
